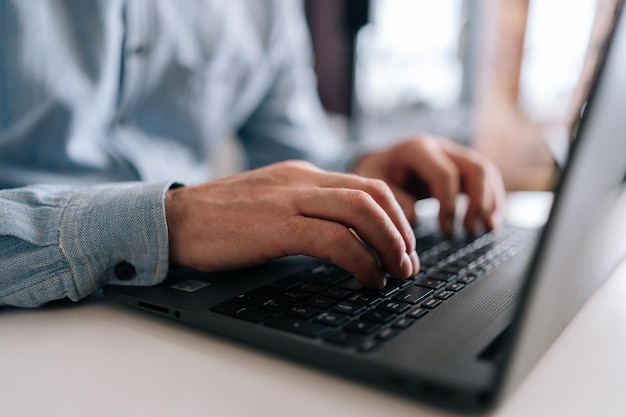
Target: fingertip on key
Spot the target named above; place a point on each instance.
(415, 261)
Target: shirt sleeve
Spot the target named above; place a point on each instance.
(290, 122)
(58, 242)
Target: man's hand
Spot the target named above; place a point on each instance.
(292, 208)
(433, 167)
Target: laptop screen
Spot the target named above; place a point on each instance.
(603, 27)
(584, 238)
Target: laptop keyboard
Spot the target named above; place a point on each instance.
(327, 303)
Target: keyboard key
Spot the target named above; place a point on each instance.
(302, 311)
(455, 286)
(417, 312)
(466, 279)
(425, 243)
(331, 318)
(444, 295)
(403, 323)
(275, 304)
(310, 287)
(443, 275)
(413, 294)
(320, 302)
(389, 289)
(366, 298)
(394, 306)
(455, 266)
(249, 298)
(480, 267)
(347, 307)
(400, 283)
(337, 293)
(241, 311)
(343, 338)
(378, 316)
(431, 303)
(427, 266)
(269, 290)
(294, 296)
(434, 284)
(362, 327)
(386, 334)
(297, 326)
(369, 345)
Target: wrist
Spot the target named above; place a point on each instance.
(172, 220)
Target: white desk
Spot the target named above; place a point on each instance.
(97, 358)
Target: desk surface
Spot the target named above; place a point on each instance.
(97, 358)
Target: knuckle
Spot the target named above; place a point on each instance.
(451, 177)
(452, 173)
(297, 165)
(360, 200)
(378, 188)
(397, 247)
(338, 236)
(479, 171)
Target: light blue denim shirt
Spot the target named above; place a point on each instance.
(132, 95)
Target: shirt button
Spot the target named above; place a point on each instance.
(137, 50)
(124, 271)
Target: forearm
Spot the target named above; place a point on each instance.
(57, 242)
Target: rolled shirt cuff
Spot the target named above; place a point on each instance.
(116, 234)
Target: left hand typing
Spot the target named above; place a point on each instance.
(434, 167)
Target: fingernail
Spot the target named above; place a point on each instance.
(379, 279)
(474, 225)
(383, 282)
(406, 266)
(448, 224)
(415, 261)
(480, 224)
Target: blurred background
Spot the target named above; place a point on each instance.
(502, 76)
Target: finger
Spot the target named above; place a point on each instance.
(381, 193)
(477, 186)
(356, 209)
(482, 184)
(479, 213)
(336, 242)
(499, 197)
(442, 177)
(407, 203)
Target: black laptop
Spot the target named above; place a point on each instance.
(480, 313)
